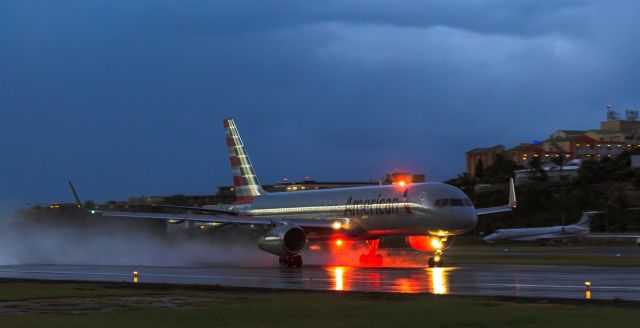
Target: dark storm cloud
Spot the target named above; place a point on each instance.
(127, 96)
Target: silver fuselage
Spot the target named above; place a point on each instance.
(374, 211)
(537, 234)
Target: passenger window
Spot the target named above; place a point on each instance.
(441, 202)
(455, 202)
(467, 202)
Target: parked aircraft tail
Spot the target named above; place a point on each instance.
(585, 220)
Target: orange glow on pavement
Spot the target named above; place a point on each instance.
(338, 278)
(439, 281)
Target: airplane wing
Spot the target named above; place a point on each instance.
(215, 216)
(606, 235)
(303, 223)
(199, 209)
(499, 209)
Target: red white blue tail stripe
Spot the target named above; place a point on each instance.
(245, 180)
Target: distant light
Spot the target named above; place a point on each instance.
(202, 227)
(315, 247)
(339, 242)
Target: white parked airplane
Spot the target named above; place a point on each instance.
(427, 214)
(580, 228)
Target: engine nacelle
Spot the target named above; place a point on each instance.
(572, 230)
(427, 243)
(284, 240)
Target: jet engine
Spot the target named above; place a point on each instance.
(572, 230)
(283, 240)
(427, 243)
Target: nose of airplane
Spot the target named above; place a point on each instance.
(471, 218)
(466, 219)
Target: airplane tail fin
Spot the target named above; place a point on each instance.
(586, 218)
(245, 180)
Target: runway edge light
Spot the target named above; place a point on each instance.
(587, 293)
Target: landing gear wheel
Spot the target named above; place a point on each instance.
(378, 260)
(372, 258)
(297, 261)
(293, 261)
(431, 262)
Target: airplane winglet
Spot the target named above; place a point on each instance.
(75, 195)
(505, 208)
(512, 194)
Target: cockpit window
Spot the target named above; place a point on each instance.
(443, 202)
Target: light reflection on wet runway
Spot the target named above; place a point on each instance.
(488, 280)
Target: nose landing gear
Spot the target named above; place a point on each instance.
(372, 258)
(436, 259)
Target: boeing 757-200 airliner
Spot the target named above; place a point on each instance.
(426, 214)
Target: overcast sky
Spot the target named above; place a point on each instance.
(127, 97)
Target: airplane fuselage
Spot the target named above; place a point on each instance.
(537, 234)
(374, 211)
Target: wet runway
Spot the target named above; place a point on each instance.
(488, 280)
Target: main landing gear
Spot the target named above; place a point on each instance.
(436, 259)
(292, 261)
(372, 257)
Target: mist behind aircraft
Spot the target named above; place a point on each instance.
(116, 243)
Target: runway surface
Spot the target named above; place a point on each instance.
(487, 280)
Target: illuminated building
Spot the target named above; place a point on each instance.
(613, 138)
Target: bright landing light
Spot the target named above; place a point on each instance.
(337, 225)
(436, 243)
(338, 242)
(402, 183)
